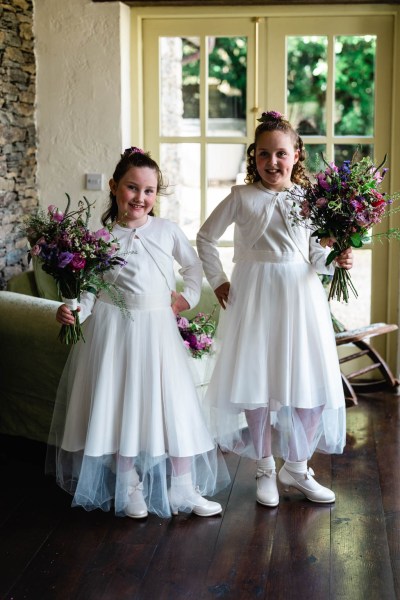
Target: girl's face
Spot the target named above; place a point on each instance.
(275, 156)
(135, 193)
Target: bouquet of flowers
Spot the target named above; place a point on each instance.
(197, 333)
(74, 256)
(341, 207)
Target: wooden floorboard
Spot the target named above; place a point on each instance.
(299, 550)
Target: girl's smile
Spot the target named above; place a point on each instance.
(135, 194)
(275, 156)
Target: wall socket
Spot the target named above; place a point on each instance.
(94, 181)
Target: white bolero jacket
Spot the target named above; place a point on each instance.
(164, 242)
(248, 208)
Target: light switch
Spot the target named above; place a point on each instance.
(94, 181)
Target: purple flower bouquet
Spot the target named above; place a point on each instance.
(341, 207)
(74, 256)
(197, 333)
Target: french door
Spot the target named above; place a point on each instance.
(206, 81)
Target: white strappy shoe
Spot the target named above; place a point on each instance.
(305, 483)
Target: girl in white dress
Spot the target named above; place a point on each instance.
(127, 428)
(276, 388)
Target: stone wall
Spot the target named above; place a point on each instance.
(18, 194)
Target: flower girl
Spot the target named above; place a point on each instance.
(278, 364)
(127, 429)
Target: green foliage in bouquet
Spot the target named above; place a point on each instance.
(76, 257)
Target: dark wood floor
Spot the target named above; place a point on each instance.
(299, 550)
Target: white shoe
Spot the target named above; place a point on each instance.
(305, 483)
(136, 507)
(267, 489)
(129, 483)
(182, 496)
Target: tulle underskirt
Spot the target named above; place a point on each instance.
(127, 399)
(276, 352)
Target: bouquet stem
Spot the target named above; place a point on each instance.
(340, 285)
(71, 334)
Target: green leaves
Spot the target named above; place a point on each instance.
(331, 257)
(356, 240)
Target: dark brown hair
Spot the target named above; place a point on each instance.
(132, 157)
(274, 121)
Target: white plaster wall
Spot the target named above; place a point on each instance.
(83, 104)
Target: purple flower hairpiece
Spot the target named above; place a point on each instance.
(132, 150)
(271, 115)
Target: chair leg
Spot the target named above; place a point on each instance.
(349, 394)
(384, 369)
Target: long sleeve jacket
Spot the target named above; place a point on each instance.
(247, 206)
(165, 242)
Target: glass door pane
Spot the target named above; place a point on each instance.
(181, 166)
(307, 69)
(355, 85)
(227, 84)
(179, 86)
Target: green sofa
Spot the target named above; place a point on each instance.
(31, 356)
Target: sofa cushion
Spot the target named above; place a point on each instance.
(23, 283)
(31, 362)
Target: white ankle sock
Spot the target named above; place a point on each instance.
(182, 480)
(268, 462)
(296, 467)
(129, 477)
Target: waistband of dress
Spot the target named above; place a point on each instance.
(140, 301)
(269, 256)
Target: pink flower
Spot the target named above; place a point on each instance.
(112, 250)
(379, 199)
(363, 219)
(78, 262)
(305, 209)
(359, 206)
(133, 150)
(274, 114)
(56, 213)
(322, 181)
(204, 341)
(321, 202)
(103, 234)
(379, 176)
(183, 323)
(35, 251)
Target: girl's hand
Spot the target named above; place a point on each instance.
(65, 316)
(178, 303)
(222, 293)
(345, 259)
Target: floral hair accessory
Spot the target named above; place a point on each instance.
(132, 150)
(271, 115)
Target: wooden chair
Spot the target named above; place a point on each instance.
(351, 381)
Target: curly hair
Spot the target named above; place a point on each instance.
(132, 157)
(274, 121)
